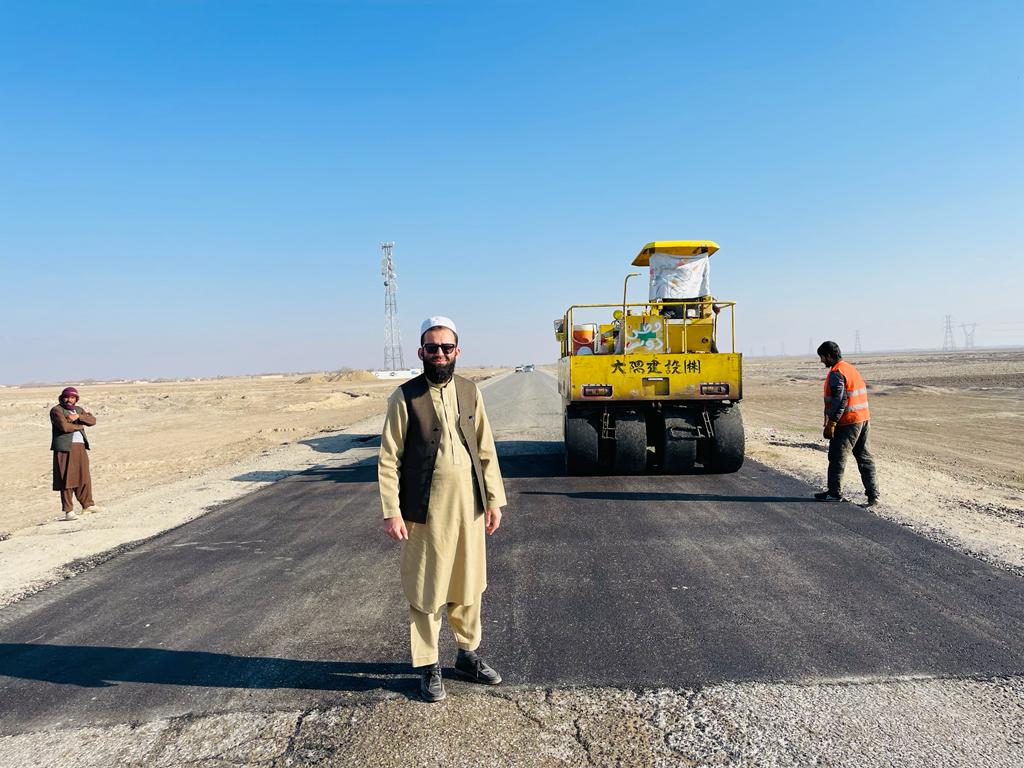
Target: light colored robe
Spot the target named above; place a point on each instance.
(445, 559)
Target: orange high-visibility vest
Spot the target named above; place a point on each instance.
(856, 393)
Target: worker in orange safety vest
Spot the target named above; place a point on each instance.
(847, 421)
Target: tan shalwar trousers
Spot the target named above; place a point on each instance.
(424, 629)
(444, 565)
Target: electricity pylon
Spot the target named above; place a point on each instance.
(968, 330)
(392, 338)
(948, 342)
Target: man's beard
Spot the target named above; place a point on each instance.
(438, 374)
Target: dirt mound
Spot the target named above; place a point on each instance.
(351, 374)
(345, 374)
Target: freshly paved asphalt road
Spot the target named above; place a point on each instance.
(289, 597)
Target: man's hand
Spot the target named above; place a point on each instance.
(395, 528)
(72, 416)
(829, 431)
(492, 519)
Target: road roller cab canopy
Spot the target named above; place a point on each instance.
(680, 269)
(674, 248)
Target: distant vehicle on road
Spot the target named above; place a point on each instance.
(519, 369)
(528, 368)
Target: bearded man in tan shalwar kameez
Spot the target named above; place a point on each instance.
(441, 488)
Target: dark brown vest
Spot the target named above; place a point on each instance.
(421, 442)
(61, 441)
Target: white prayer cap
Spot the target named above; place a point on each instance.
(438, 321)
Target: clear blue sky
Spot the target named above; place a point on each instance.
(200, 188)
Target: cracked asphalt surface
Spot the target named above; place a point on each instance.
(637, 621)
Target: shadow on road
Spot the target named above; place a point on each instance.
(102, 667)
(525, 465)
(364, 471)
(519, 466)
(518, 458)
(648, 496)
(530, 458)
(341, 443)
(263, 476)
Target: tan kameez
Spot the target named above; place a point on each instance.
(444, 560)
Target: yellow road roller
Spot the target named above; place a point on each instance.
(647, 388)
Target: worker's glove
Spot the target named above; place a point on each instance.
(829, 431)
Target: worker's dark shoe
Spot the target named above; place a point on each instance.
(472, 667)
(431, 684)
(828, 496)
(872, 501)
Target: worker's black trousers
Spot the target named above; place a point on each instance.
(851, 438)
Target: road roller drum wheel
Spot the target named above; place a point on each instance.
(725, 449)
(581, 444)
(679, 446)
(630, 444)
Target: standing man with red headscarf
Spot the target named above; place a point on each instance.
(70, 449)
(847, 421)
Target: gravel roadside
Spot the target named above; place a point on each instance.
(925, 722)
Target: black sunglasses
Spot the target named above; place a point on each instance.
(431, 349)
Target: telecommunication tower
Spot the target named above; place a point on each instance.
(949, 343)
(856, 344)
(968, 329)
(392, 338)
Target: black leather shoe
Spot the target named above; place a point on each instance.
(431, 684)
(472, 667)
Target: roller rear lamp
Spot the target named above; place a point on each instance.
(597, 390)
(714, 388)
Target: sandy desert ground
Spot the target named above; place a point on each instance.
(152, 433)
(162, 454)
(946, 431)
